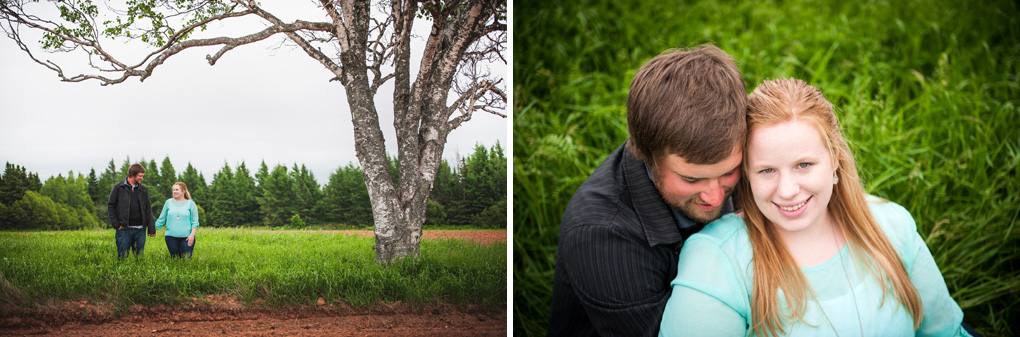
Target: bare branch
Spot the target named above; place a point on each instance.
(486, 93)
(12, 32)
(380, 52)
(212, 59)
(15, 15)
(187, 30)
(338, 21)
(301, 42)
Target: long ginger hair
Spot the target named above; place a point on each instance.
(782, 100)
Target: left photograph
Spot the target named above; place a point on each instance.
(233, 167)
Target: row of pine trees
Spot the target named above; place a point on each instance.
(471, 193)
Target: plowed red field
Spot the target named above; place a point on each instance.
(392, 319)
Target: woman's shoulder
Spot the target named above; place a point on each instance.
(728, 228)
(894, 220)
(726, 235)
(717, 261)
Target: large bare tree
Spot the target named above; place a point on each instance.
(363, 44)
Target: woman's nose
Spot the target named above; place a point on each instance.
(788, 187)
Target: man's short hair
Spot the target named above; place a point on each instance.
(135, 169)
(688, 103)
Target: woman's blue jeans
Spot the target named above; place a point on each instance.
(179, 247)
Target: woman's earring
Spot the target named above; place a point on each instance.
(835, 178)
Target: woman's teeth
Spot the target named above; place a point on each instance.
(794, 207)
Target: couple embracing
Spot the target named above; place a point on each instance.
(131, 215)
(727, 214)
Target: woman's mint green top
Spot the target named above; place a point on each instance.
(179, 218)
(712, 290)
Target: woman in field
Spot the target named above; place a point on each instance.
(811, 254)
(180, 216)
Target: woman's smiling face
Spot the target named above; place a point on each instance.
(790, 171)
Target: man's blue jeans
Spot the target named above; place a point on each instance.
(130, 239)
(179, 247)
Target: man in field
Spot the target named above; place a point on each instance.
(622, 231)
(131, 213)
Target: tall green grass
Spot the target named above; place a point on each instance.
(928, 93)
(281, 268)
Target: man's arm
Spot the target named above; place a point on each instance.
(621, 282)
(150, 223)
(111, 209)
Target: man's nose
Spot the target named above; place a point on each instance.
(713, 195)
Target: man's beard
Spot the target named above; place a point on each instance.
(692, 211)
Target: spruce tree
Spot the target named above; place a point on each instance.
(93, 184)
(345, 197)
(307, 192)
(125, 167)
(168, 177)
(15, 182)
(478, 193)
(109, 178)
(195, 183)
(260, 177)
(154, 183)
(222, 207)
(277, 201)
(245, 192)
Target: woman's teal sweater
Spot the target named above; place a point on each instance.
(179, 218)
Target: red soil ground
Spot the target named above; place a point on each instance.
(223, 315)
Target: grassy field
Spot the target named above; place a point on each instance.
(928, 92)
(281, 268)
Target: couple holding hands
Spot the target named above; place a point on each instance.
(727, 214)
(130, 214)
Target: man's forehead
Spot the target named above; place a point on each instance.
(680, 166)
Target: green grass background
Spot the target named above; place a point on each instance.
(281, 268)
(928, 93)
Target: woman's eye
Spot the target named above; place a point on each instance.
(803, 165)
(768, 170)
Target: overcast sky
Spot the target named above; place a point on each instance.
(259, 102)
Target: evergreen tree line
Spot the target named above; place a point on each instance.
(470, 193)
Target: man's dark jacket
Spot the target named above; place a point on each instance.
(618, 249)
(123, 201)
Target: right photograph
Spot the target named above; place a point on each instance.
(791, 168)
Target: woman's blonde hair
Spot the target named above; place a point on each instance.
(184, 189)
(783, 100)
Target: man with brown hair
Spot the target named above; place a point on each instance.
(623, 228)
(131, 213)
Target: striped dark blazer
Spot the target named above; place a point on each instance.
(617, 253)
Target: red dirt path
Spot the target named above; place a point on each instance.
(223, 315)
